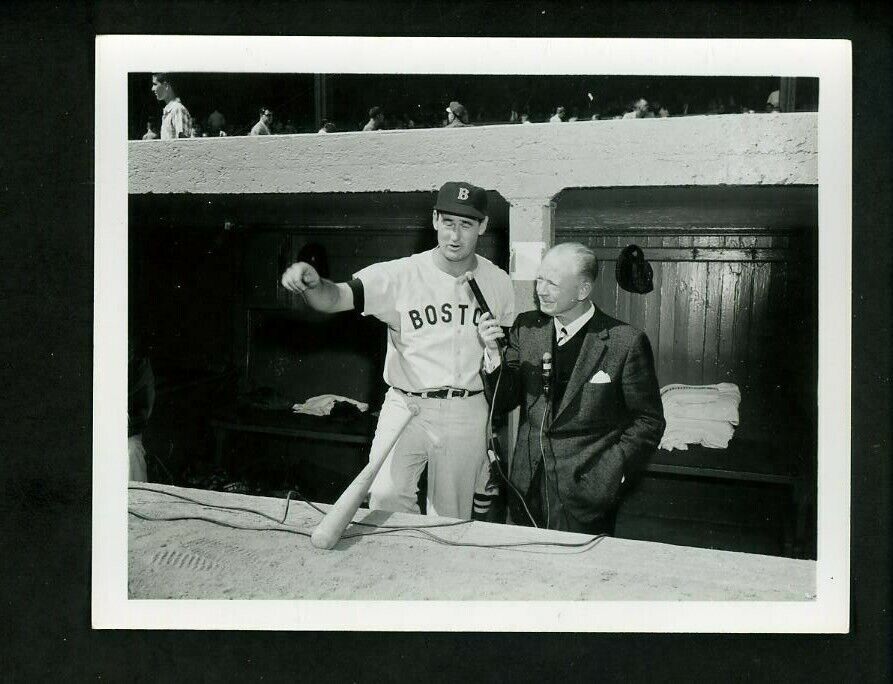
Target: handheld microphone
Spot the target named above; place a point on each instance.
(482, 303)
(547, 374)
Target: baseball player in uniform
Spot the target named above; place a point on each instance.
(433, 356)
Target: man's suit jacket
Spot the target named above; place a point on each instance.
(601, 430)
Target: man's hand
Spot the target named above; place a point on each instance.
(490, 331)
(300, 277)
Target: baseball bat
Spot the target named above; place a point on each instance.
(340, 515)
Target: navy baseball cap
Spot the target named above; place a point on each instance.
(462, 199)
(633, 273)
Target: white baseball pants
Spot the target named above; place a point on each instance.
(450, 436)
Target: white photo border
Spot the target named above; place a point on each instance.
(828, 60)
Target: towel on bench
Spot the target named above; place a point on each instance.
(699, 414)
(324, 403)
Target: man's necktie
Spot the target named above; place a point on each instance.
(562, 335)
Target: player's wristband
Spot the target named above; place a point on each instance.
(359, 297)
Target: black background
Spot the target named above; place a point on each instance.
(46, 267)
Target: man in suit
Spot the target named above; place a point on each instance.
(601, 418)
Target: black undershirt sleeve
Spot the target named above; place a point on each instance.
(359, 297)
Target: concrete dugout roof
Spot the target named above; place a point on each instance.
(519, 161)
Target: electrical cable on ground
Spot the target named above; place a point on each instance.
(285, 513)
(381, 529)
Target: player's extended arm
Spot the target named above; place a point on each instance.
(323, 295)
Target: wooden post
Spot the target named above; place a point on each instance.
(320, 101)
(531, 233)
(787, 92)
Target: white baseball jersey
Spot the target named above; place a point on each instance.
(432, 319)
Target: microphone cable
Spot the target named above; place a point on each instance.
(545, 480)
(543, 436)
(378, 528)
(491, 440)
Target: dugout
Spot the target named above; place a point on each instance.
(233, 350)
(725, 203)
(735, 300)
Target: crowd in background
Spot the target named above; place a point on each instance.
(178, 122)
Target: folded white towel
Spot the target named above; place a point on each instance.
(712, 402)
(700, 414)
(323, 404)
(715, 434)
(700, 394)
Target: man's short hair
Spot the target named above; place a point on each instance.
(164, 77)
(375, 111)
(264, 110)
(587, 264)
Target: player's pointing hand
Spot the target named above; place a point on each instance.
(300, 277)
(490, 331)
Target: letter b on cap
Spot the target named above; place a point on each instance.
(463, 194)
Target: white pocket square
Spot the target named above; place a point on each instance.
(600, 378)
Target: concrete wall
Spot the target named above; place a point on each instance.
(532, 161)
(527, 164)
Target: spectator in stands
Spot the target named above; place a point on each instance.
(291, 129)
(151, 133)
(175, 118)
(457, 115)
(525, 118)
(575, 115)
(772, 102)
(197, 131)
(262, 127)
(559, 116)
(663, 112)
(327, 127)
(639, 110)
(376, 119)
(215, 124)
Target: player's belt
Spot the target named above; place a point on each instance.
(443, 393)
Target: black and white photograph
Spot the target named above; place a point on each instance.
(546, 336)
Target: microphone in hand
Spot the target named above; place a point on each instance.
(482, 304)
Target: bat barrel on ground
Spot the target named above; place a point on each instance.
(329, 531)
